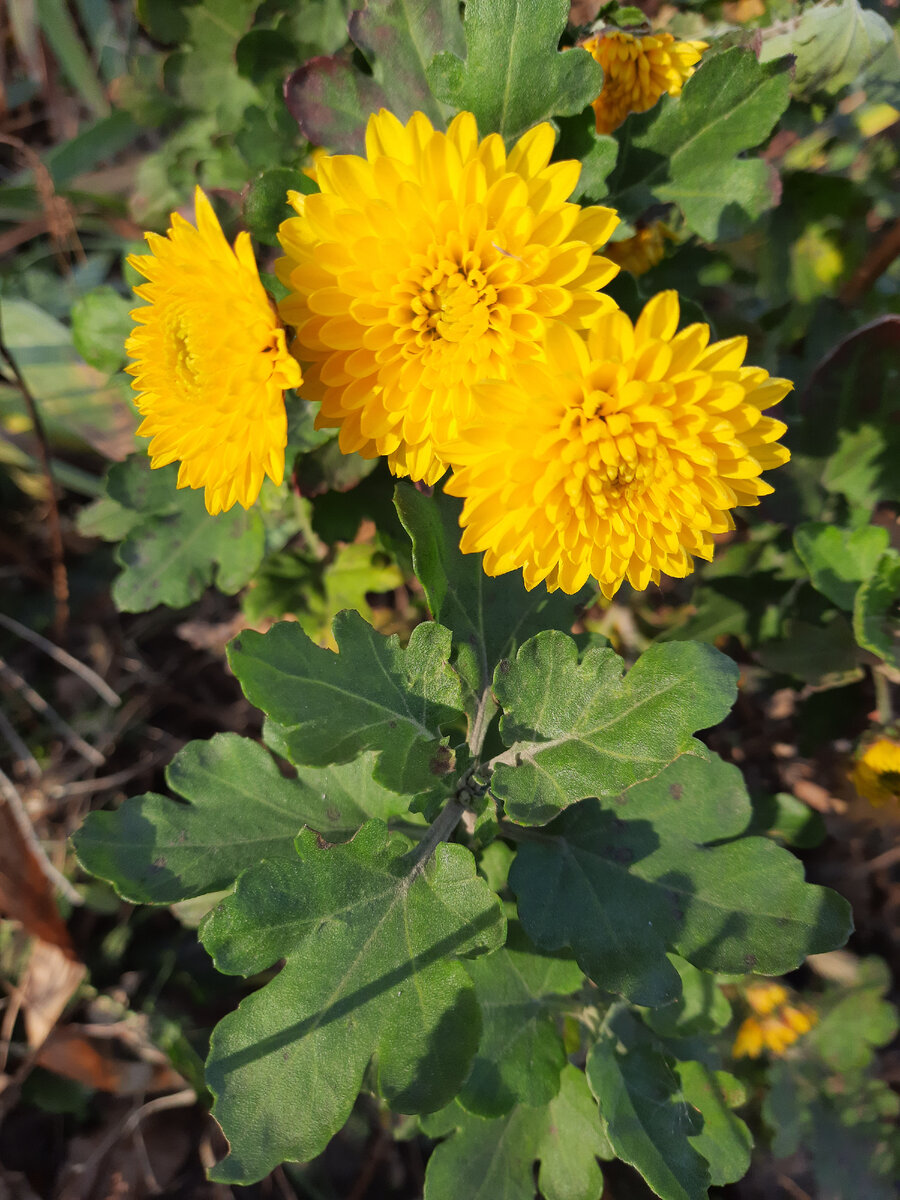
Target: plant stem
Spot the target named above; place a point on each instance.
(883, 703)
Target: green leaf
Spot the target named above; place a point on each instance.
(494, 1160)
(61, 32)
(370, 696)
(854, 1020)
(266, 202)
(644, 1112)
(355, 571)
(831, 45)
(579, 729)
(688, 150)
(578, 138)
(331, 99)
(240, 809)
(101, 322)
(724, 1141)
(79, 405)
(876, 613)
(821, 655)
(521, 1053)
(701, 1008)
(370, 943)
(514, 74)
(489, 618)
(625, 883)
(174, 555)
(839, 560)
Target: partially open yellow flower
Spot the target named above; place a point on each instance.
(876, 775)
(211, 363)
(618, 456)
(644, 250)
(637, 70)
(433, 263)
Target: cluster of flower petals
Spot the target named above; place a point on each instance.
(776, 1021)
(619, 454)
(637, 70)
(433, 263)
(211, 361)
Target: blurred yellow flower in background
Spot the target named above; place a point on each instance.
(211, 362)
(775, 1023)
(637, 70)
(617, 456)
(435, 262)
(638, 254)
(876, 775)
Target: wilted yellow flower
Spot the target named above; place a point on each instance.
(639, 253)
(433, 263)
(637, 70)
(211, 361)
(876, 775)
(619, 455)
(775, 1023)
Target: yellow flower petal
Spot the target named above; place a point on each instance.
(876, 775)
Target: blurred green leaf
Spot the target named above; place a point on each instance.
(79, 405)
(101, 322)
(831, 43)
(331, 99)
(876, 612)
(266, 203)
(839, 560)
(61, 33)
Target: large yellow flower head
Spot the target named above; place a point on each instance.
(618, 456)
(637, 70)
(433, 263)
(876, 775)
(211, 362)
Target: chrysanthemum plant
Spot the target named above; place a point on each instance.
(490, 876)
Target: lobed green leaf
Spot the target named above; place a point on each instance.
(579, 728)
(240, 810)
(514, 74)
(372, 695)
(623, 884)
(687, 150)
(488, 1159)
(371, 939)
(839, 560)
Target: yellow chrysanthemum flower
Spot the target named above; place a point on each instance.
(639, 253)
(617, 456)
(433, 263)
(876, 775)
(776, 1021)
(211, 363)
(637, 70)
